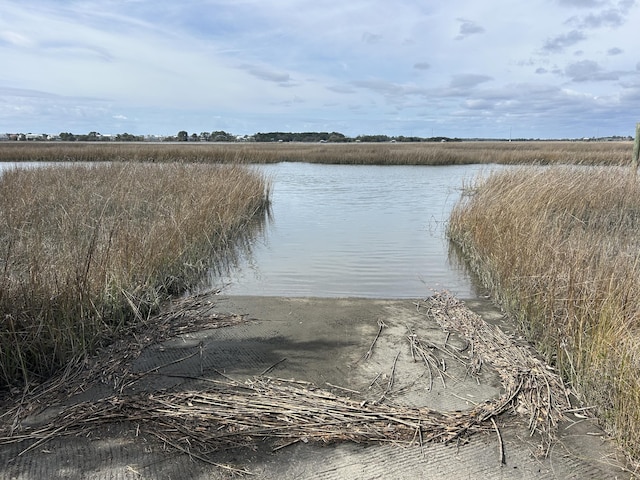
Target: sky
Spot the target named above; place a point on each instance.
(460, 68)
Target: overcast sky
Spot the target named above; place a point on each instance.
(460, 68)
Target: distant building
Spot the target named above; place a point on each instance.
(36, 136)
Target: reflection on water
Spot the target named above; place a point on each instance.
(239, 250)
(354, 231)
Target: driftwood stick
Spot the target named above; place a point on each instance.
(393, 372)
(391, 379)
(343, 388)
(381, 325)
(288, 444)
(155, 369)
(229, 468)
(500, 442)
(412, 346)
(272, 367)
(374, 380)
(44, 439)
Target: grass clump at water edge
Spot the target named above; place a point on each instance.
(86, 250)
(559, 248)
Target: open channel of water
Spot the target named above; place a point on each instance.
(356, 231)
(353, 231)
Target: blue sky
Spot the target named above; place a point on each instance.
(462, 68)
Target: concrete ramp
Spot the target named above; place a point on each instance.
(397, 360)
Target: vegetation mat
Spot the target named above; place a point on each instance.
(227, 413)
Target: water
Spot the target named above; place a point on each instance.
(356, 231)
(353, 231)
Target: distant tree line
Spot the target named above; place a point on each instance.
(300, 137)
(222, 136)
(97, 137)
(216, 136)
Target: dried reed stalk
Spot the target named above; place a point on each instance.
(538, 392)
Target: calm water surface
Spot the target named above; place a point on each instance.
(356, 231)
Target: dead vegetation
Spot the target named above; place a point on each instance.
(225, 413)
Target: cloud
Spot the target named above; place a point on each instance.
(615, 51)
(371, 38)
(478, 104)
(267, 74)
(560, 42)
(608, 18)
(340, 89)
(588, 70)
(583, 3)
(380, 86)
(612, 17)
(468, 80)
(16, 39)
(421, 66)
(69, 50)
(627, 5)
(468, 28)
(25, 92)
(53, 113)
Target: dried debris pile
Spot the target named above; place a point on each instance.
(226, 413)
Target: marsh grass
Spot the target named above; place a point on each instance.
(85, 250)
(559, 248)
(450, 153)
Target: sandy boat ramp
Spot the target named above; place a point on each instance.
(309, 388)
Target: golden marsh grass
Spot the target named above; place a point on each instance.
(86, 249)
(450, 153)
(559, 248)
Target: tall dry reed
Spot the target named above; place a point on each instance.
(450, 153)
(559, 248)
(86, 249)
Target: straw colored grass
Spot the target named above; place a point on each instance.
(449, 153)
(559, 248)
(86, 249)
